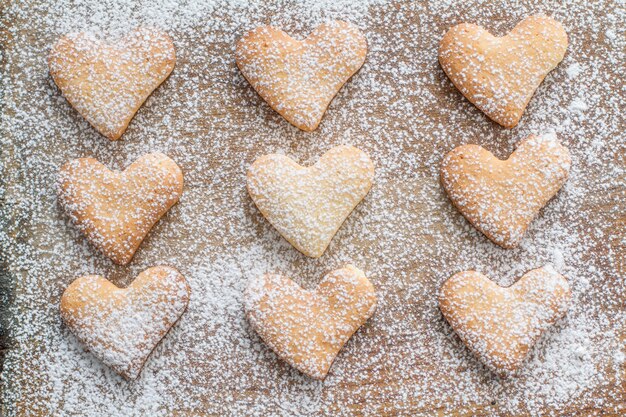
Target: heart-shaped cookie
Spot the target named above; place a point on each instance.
(116, 210)
(107, 82)
(500, 75)
(307, 205)
(299, 79)
(500, 325)
(501, 198)
(122, 326)
(307, 329)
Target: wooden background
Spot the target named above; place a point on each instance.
(402, 110)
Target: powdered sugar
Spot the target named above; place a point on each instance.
(401, 110)
(578, 105)
(574, 70)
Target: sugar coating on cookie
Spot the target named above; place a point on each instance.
(308, 328)
(501, 198)
(500, 75)
(107, 81)
(500, 325)
(116, 210)
(307, 205)
(299, 79)
(122, 326)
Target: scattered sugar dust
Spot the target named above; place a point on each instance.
(403, 111)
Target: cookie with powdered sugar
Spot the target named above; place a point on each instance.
(122, 326)
(299, 79)
(500, 75)
(307, 205)
(307, 329)
(501, 198)
(116, 210)
(107, 82)
(501, 325)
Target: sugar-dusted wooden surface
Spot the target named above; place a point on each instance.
(403, 111)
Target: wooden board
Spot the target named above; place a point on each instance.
(403, 111)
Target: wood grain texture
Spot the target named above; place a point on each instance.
(405, 234)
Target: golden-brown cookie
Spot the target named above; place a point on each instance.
(299, 79)
(116, 210)
(501, 198)
(307, 329)
(500, 325)
(122, 326)
(107, 82)
(500, 75)
(307, 205)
